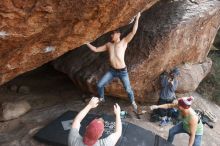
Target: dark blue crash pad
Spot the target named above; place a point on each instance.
(56, 133)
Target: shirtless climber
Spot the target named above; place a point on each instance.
(116, 49)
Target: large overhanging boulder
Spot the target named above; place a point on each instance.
(170, 33)
(34, 32)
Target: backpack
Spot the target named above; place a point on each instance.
(206, 117)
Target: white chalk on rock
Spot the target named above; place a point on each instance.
(49, 49)
(3, 34)
(12, 110)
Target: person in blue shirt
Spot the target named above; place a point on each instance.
(169, 85)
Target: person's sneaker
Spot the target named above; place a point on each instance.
(163, 123)
(168, 120)
(102, 99)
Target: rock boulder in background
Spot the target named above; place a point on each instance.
(192, 74)
(170, 33)
(12, 110)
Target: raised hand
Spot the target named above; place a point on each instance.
(137, 17)
(132, 20)
(94, 102)
(117, 109)
(87, 42)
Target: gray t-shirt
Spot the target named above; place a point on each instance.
(75, 139)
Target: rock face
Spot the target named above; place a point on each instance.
(170, 33)
(210, 86)
(34, 32)
(12, 110)
(192, 75)
(217, 40)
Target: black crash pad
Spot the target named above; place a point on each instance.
(56, 133)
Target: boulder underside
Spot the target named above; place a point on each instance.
(170, 33)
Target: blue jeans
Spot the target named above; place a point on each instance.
(122, 75)
(179, 129)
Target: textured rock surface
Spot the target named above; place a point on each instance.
(34, 32)
(210, 86)
(12, 110)
(217, 40)
(170, 33)
(55, 94)
(192, 75)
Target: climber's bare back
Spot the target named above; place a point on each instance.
(117, 53)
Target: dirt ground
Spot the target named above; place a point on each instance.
(52, 93)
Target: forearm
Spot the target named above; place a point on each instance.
(135, 27)
(192, 126)
(191, 139)
(166, 106)
(82, 113)
(91, 47)
(118, 125)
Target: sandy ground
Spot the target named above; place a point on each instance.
(52, 93)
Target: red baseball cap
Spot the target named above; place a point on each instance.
(185, 102)
(93, 132)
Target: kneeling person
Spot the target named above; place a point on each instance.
(169, 85)
(190, 124)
